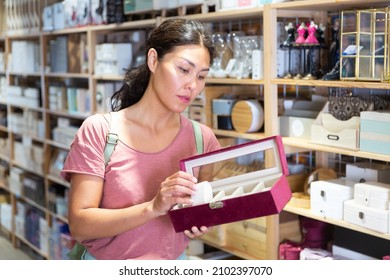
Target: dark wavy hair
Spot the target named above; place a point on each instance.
(164, 38)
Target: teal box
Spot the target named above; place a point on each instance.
(144, 5)
(375, 132)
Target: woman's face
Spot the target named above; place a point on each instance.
(179, 76)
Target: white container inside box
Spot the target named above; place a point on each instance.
(367, 217)
(327, 130)
(327, 197)
(372, 194)
(368, 171)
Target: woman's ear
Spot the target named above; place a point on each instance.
(152, 59)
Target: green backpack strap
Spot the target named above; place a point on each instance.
(112, 137)
(78, 250)
(198, 136)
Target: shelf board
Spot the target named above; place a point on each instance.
(24, 74)
(339, 84)
(227, 15)
(235, 134)
(32, 246)
(234, 252)
(3, 186)
(58, 180)
(59, 217)
(67, 31)
(229, 81)
(26, 168)
(306, 144)
(307, 213)
(136, 24)
(66, 114)
(68, 75)
(23, 34)
(329, 5)
(4, 157)
(3, 128)
(108, 77)
(57, 145)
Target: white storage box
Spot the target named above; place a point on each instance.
(372, 194)
(295, 126)
(138, 6)
(375, 132)
(327, 197)
(367, 217)
(328, 130)
(368, 171)
(48, 18)
(59, 16)
(114, 52)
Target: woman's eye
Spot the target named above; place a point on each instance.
(184, 70)
(201, 78)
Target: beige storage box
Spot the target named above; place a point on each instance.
(327, 130)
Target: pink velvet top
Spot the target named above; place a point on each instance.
(133, 177)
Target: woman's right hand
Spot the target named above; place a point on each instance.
(175, 189)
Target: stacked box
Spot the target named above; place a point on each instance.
(375, 132)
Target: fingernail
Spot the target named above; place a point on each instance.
(194, 179)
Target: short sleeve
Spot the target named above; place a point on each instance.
(86, 151)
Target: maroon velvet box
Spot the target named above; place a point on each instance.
(248, 181)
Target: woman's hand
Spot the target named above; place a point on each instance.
(175, 189)
(195, 232)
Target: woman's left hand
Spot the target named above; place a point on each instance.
(195, 232)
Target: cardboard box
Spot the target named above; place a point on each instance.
(246, 192)
(367, 217)
(327, 197)
(375, 132)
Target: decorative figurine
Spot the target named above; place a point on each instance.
(290, 34)
(320, 34)
(335, 44)
(302, 29)
(311, 31)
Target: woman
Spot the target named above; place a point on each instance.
(119, 211)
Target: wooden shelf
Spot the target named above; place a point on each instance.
(227, 81)
(329, 5)
(336, 84)
(306, 144)
(307, 213)
(235, 134)
(228, 15)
